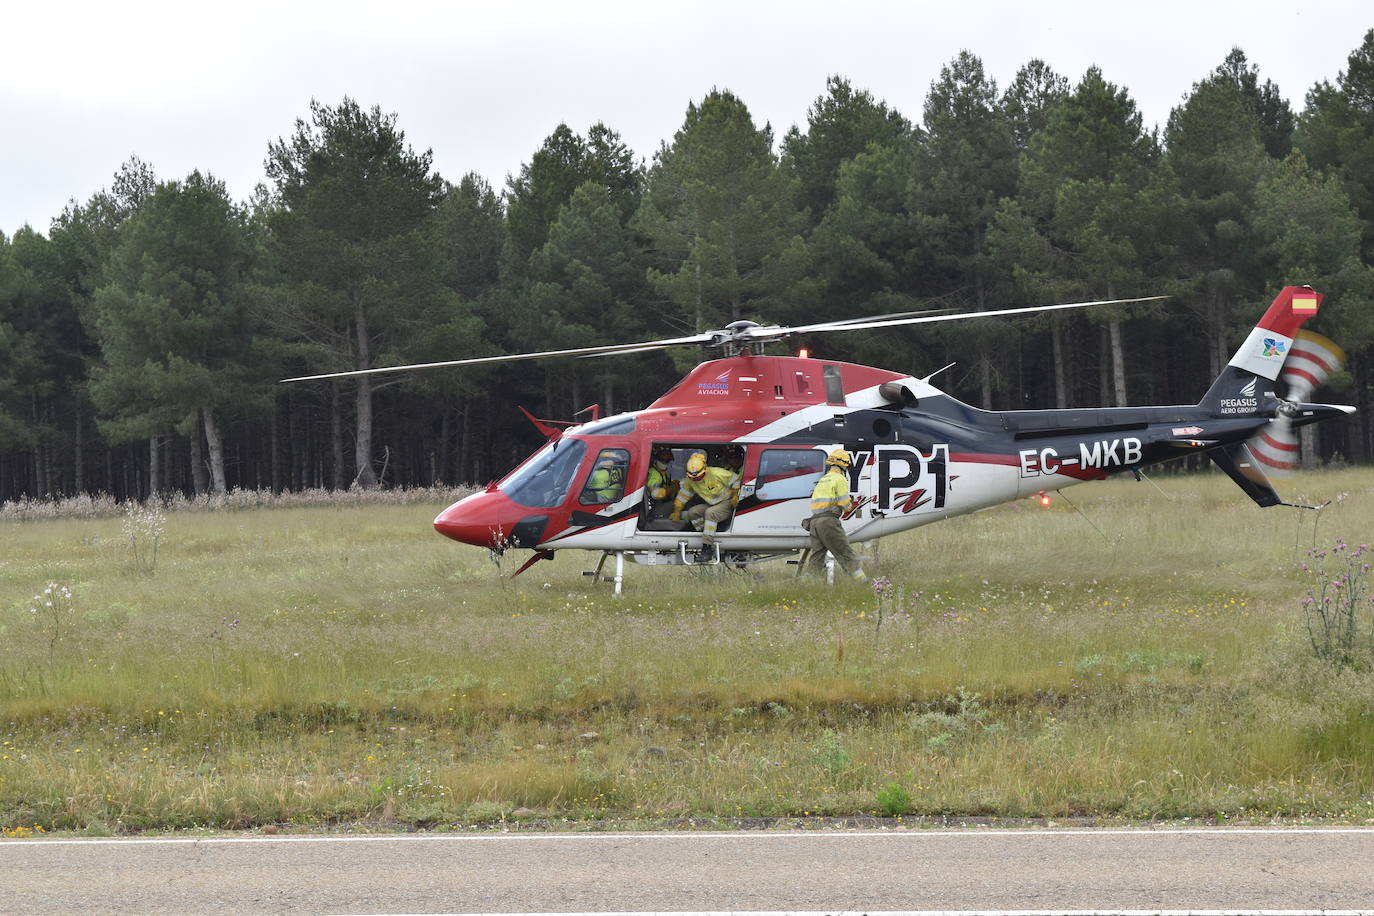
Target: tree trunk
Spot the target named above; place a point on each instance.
(1307, 447)
(296, 474)
(1061, 392)
(463, 449)
(366, 477)
(700, 318)
(79, 454)
(40, 480)
(154, 468)
(1118, 363)
(198, 482)
(1104, 368)
(336, 435)
(362, 448)
(274, 444)
(1216, 328)
(441, 469)
(212, 438)
(1358, 367)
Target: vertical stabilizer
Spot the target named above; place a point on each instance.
(1246, 385)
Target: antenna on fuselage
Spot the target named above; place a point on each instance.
(937, 372)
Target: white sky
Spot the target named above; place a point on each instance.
(208, 86)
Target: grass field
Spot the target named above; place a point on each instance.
(1145, 658)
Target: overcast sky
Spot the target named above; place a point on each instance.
(207, 86)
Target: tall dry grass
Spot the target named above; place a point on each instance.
(1140, 656)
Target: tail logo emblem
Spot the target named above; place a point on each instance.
(1249, 390)
(1273, 347)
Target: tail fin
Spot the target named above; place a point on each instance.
(1246, 386)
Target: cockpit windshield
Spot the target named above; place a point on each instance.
(544, 481)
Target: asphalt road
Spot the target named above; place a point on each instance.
(976, 869)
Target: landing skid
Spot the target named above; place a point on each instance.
(618, 579)
(683, 556)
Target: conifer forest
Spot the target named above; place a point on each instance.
(144, 332)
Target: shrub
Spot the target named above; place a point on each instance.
(893, 800)
(1336, 610)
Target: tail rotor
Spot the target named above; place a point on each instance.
(1311, 361)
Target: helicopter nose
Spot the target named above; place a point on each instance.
(476, 519)
(490, 519)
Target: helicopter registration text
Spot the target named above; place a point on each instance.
(1104, 453)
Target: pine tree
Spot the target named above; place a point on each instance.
(172, 321)
(725, 235)
(840, 125)
(1074, 229)
(355, 242)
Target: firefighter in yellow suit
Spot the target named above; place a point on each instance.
(606, 483)
(828, 500)
(719, 491)
(661, 487)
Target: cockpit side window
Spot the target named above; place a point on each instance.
(544, 481)
(606, 483)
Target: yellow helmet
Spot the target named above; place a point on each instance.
(696, 466)
(839, 458)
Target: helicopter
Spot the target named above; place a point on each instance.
(919, 455)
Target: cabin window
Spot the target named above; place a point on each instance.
(834, 387)
(606, 483)
(788, 473)
(544, 481)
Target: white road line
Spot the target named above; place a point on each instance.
(1029, 833)
(930, 913)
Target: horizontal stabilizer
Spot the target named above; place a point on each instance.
(1304, 414)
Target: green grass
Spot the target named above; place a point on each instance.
(322, 666)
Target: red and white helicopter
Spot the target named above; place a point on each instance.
(920, 456)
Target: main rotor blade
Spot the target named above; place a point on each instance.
(774, 331)
(515, 357)
(883, 322)
(894, 315)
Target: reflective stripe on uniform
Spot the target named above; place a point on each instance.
(831, 494)
(714, 486)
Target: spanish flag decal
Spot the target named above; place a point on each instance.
(1305, 305)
